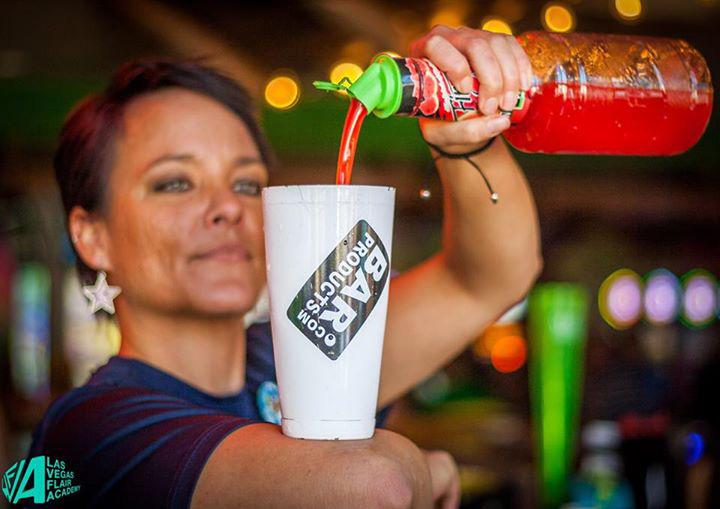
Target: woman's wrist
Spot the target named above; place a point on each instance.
(441, 153)
(462, 153)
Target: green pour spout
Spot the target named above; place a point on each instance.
(378, 88)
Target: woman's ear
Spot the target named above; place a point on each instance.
(89, 235)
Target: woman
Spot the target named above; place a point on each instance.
(161, 178)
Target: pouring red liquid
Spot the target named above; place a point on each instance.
(348, 143)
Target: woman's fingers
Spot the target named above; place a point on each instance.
(445, 479)
(469, 131)
(449, 60)
(485, 65)
(454, 495)
(497, 60)
(502, 69)
(523, 63)
(510, 72)
(477, 49)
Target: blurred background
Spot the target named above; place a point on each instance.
(630, 244)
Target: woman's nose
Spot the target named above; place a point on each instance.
(225, 208)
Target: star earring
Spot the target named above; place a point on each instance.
(101, 295)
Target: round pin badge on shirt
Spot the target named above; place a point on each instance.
(268, 402)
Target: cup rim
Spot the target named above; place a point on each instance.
(326, 193)
(330, 186)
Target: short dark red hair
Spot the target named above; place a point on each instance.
(85, 152)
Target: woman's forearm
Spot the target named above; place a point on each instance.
(490, 248)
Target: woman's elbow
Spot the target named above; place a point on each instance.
(531, 275)
(534, 272)
(520, 281)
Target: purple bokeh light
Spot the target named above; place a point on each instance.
(699, 298)
(662, 297)
(624, 300)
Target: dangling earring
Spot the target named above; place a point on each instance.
(101, 295)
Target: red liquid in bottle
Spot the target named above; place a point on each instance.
(602, 120)
(348, 144)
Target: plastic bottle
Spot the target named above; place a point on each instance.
(591, 94)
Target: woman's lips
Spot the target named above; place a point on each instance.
(227, 253)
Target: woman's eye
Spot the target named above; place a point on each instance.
(248, 187)
(176, 185)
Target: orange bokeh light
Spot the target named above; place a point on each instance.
(558, 18)
(485, 343)
(497, 25)
(282, 92)
(508, 354)
(628, 9)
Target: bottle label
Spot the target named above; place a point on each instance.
(427, 92)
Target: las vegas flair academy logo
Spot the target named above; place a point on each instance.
(41, 478)
(339, 296)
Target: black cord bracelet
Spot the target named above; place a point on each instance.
(467, 155)
(449, 155)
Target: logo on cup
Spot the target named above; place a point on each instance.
(339, 296)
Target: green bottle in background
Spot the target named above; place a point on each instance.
(557, 331)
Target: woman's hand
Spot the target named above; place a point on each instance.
(502, 68)
(445, 479)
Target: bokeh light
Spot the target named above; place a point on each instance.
(699, 302)
(447, 16)
(694, 448)
(496, 25)
(558, 18)
(628, 9)
(620, 299)
(347, 70)
(484, 344)
(508, 354)
(434, 389)
(661, 300)
(282, 92)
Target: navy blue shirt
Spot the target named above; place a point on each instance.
(135, 436)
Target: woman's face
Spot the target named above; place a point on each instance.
(184, 221)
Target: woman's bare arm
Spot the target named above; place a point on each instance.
(490, 252)
(257, 466)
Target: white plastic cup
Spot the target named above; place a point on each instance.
(328, 264)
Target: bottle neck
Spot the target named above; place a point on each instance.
(379, 88)
(391, 86)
